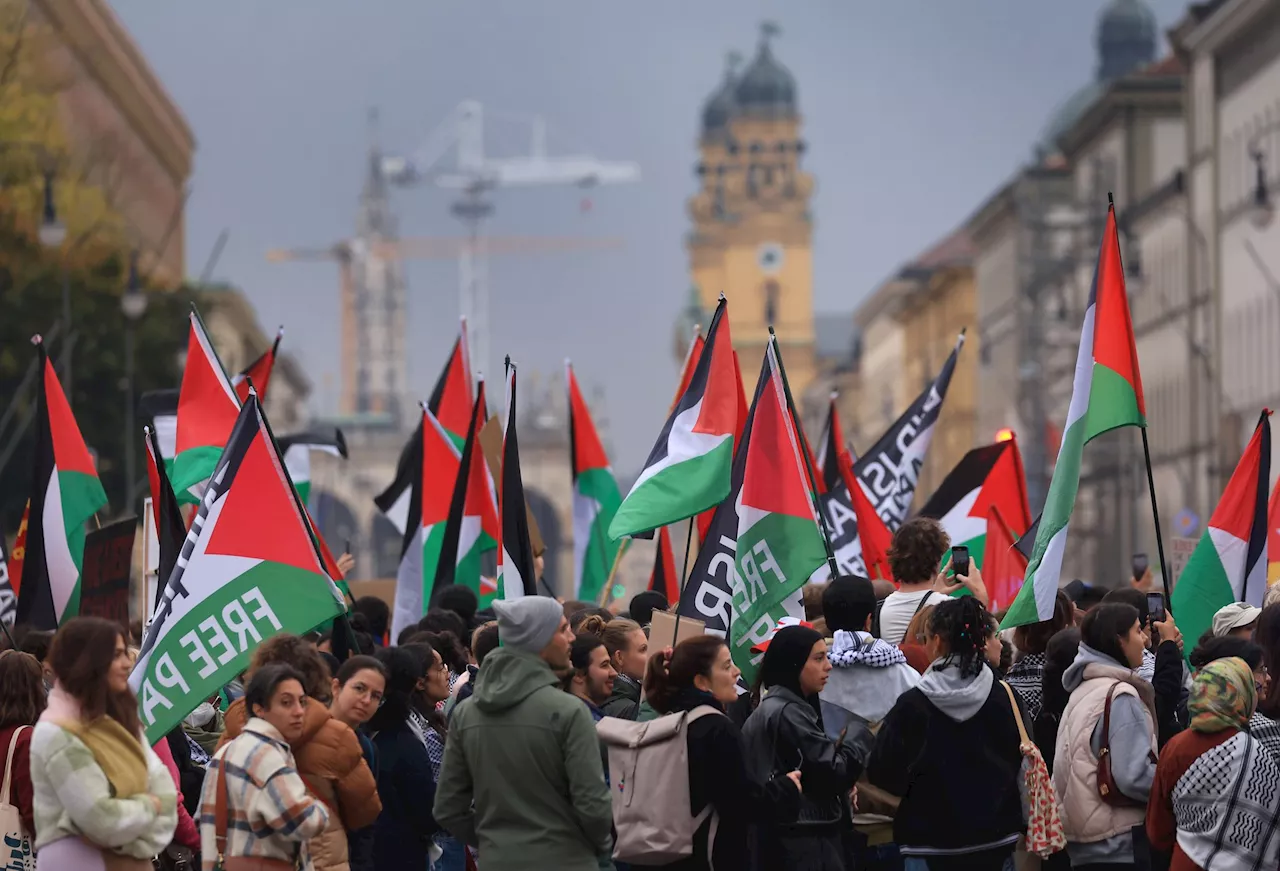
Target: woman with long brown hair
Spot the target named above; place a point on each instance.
(22, 701)
(628, 648)
(102, 798)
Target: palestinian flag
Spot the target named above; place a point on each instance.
(664, 579)
(171, 529)
(207, 410)
(65, 493)
(1005, 564)
(991, 475)
(297, 449)
(450, 402)
(595, 499)
(516, 574)
(453, 395)
(394, 501)
(1106, 394)
(249, 570)
(831, 444)
(779, 543)
(430, 495)
(689, 468)
(259, 371)
(704, 519)
(472, 528)
(8, 593)
(1230, 562)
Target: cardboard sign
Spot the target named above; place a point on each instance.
(491, 444)
(108, 564)
(1180, 550)
(662, 630)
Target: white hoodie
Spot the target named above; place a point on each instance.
(868, 676)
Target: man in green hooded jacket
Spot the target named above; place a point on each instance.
(521, 777)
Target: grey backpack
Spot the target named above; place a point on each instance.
(649, 783)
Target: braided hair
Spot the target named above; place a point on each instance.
(961, 625)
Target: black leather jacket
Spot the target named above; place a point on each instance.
(785, 734)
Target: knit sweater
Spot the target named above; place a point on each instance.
(270, 814)
(73, 798)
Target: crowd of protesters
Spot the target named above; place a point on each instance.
(892, 728)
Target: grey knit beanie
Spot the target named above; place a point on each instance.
(528, 623)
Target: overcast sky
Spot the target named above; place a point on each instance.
(914, 110)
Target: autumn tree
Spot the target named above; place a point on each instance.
(94, 260)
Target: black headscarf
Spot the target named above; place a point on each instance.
(784, 660)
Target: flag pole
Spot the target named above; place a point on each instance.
(1155, 514)
(808, 468)
(605, 594)
(688, 546)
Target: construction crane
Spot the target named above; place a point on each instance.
(475, 175)
(349, 252)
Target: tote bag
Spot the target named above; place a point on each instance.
(17, 843)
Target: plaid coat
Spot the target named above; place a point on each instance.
(270, 814)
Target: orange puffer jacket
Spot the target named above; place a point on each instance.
(332, 764)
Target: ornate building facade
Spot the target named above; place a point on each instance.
(752, 230)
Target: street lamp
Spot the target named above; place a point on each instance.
(52, 234)
(133, 304)
(1263, 210)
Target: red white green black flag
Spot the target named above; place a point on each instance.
(65, 493)
(595, 499)
(207, 410)
(249, 569)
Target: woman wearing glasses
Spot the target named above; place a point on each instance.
(328, 753)
(358, 691)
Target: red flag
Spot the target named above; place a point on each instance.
(259, 371)
(19, 552)
(664, 579)
(872, 532)
(1004, 566)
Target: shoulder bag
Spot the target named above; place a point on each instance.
(1044, 822)
(17, 842)
(1107, 789)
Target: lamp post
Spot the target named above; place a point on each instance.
(52, 234)
(133, 303)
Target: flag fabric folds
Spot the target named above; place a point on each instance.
(1004, 566)
(688, 470)
(890, 470)
(395, 500)
(297, 449)
(249, 569)
(452, 397)
(472, 529)
(595, 498)
(171, 529)
(259, 371)
(516, 573)
(1106, 394)
(663, 579)
(779, 543)
(1229, 563)
(65, 494)
(207, 410)
(423, 542)
(985, 477)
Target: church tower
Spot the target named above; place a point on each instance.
(752, 230)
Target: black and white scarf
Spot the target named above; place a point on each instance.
(1227, 807)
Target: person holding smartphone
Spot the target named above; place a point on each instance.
(915, 556)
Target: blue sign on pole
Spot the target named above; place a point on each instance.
(1186, 523)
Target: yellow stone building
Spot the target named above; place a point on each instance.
(939, 298)
(752, 230)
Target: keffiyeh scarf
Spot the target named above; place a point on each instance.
(862, 648)
(1027, 677)
(1227, 807)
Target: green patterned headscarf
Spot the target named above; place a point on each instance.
(1223, 696)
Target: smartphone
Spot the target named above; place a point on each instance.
(960, 560)
(346, 546)
(1155, 607)
(1140, 565)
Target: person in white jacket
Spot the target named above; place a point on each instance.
(868, 673)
